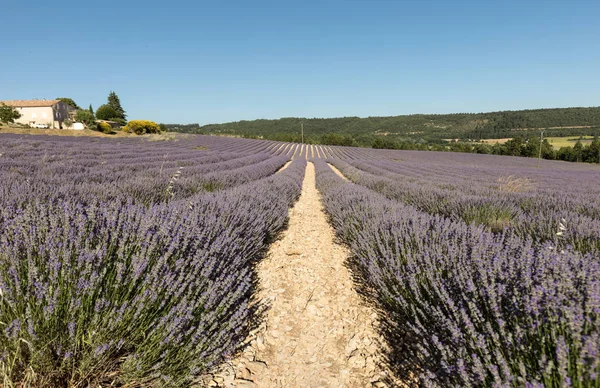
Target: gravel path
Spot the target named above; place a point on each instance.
(317, 332)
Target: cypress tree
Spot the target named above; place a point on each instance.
(115, 103)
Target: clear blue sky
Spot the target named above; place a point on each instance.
(217, 61)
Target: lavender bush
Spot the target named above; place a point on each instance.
(98, 286)
(536, 212)
(63, 169)
(462, 306)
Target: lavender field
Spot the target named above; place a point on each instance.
(134, 262)
(486, 269)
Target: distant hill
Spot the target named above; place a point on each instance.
(418, 128)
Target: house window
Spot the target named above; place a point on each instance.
(43, 115)
(34, 115)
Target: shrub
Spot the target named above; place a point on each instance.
(104, 127)
(8, 114)
(106, 112)
(123, 122)
(68, 123)
(84, 116)
(141, 127)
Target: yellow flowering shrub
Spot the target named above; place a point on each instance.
(104, 127)
(141, 127)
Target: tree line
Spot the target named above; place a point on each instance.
(420, 128)
(517, 146)
(459, 132)
(111, 111)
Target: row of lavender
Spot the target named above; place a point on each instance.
(100, 285)
(48, 167)
(515, 199)
(464, 305)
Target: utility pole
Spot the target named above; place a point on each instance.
(598, 141)
(302, 131)
(541, 142)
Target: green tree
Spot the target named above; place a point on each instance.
(531, 148)
(482, 149)
(566, 154)
(337, 139)
(115, 103)
(595, 150)
(84, 116)
(513, 146)
(90, 109)
(547, 150)
(106, 112)
(69, 101)
(578, 150)
(8, 114)
(383, 143)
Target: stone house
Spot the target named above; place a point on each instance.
(50, 112)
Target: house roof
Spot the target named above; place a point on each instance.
(29, 103)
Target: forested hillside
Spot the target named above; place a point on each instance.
(419, 128)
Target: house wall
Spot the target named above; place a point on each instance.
(61, 113)
(34, 115)
(53, 116)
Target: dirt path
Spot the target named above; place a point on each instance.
(317, 333)
(338, 172)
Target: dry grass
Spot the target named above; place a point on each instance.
(494, 141)
(557, 142)
(498, 225)
(514, 184)
(168, 136)
(568, 141)
(60, 132)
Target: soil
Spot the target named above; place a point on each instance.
(318, 332)
(338, 172)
